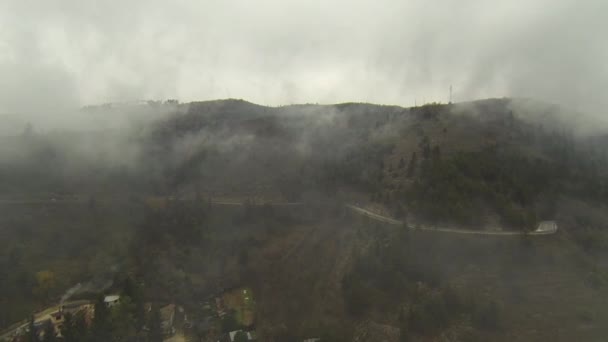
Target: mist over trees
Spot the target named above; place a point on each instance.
(219, 193)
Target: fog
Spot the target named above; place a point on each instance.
(65, 54)
(300, 160)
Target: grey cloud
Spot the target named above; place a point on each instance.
(277, 52)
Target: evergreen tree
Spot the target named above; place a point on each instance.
(426, 151)
(133, 290)
(122, 320)
(404, 335)
(101, 321)
(79, 328)
(67, 330)
(154, 324)
(436, 153)
(229, 322)
(411, 168)
(241, 337)
(32, 334)
(49, 333)
(74, 328)
(403, 328)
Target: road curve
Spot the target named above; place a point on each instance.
(543, 228)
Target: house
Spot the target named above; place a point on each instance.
(86, 309)
(251, 336)
(57, 319)
(167, 319)
(111, 300)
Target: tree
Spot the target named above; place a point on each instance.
(101, 321)
(74, 328)
(49, 333)
(403, 328)
(122, 320)
(79, 328)
(133, 290)
(436, 153)
(241, 336)
(411, 167)
(45, 283)
(154, 324)
(67, 330)
(425, 145)
(426, 151)
(243, 257)
(32, 335)
(229, 323)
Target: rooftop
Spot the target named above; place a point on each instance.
(111, 298)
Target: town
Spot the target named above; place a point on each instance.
(227, 316)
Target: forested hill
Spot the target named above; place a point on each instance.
(496, 161)
(177, 202)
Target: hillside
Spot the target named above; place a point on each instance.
(485, 164)
(224, 194)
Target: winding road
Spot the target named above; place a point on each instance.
(543, 228)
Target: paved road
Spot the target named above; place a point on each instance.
(214, 202)
(373, 215)
(543, 228)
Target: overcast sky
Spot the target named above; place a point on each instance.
(65, 53)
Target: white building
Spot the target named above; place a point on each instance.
(111, 300)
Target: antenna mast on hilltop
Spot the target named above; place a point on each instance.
(450, 95)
